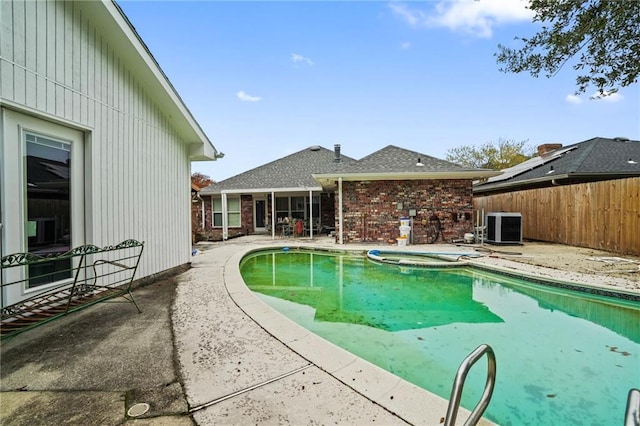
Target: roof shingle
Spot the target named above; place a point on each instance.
(598, 157)
(292, 171)
(296, 171)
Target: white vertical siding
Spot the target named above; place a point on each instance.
(41, 56)
(55, 61)
(6, 49)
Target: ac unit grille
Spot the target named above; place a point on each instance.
(504, 228)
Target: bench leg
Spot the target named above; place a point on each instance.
(132, 300)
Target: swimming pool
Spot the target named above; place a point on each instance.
(563, 357)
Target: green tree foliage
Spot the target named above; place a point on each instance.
(600, 37)
(500, 155)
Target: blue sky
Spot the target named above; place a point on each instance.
(266, 79)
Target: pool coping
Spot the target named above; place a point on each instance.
(601, 290)
(463, 260)
(411, 403)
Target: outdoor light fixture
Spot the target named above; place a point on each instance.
(419, 163)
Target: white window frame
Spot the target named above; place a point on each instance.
(221, 213)
(14, 127)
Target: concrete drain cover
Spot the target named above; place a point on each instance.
(137, 410)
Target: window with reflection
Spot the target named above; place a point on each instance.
(233, 212)
(48, 206)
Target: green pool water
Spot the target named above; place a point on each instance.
(563, 358)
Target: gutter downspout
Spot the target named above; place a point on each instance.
(340, 239)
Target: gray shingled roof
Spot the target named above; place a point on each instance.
(393, 163)
(596, 158)
(296, 171)
(292, 171)
(392, 159)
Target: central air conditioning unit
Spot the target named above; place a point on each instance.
(504, 228)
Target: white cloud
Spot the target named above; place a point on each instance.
(412, 17)
(475, 17)
(296, 58)
(247, 98)
(607, 96)
(405, 45)
(573, 99)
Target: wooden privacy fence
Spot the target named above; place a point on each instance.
(602, 215)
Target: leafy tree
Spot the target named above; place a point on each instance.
(505, 153)
(602, 36)
(201, 180)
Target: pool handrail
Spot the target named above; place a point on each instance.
(458, 384)
(632, 413)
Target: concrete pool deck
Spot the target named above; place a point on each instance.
(229, 344)
(206, 350)
(331, 384)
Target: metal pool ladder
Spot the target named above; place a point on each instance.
(458, 383)
(632, 414)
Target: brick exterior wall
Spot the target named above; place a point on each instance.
(371, 211)
(246, 215)
(327, 209)
(371, 214)
(196, 221)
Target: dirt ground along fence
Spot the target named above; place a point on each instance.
(601, 215)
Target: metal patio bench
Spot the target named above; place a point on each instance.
(63, 283)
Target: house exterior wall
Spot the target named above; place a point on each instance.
(55, 64)
(371, 211)
(327, 209)
(202, 208)
(196, 219)
(209, 233)
(246, 214)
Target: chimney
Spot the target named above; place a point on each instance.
(338, 158)
(548, 147)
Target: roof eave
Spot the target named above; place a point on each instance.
(121, 34)
(519, 183)
(259, 190)
(203, 152)
(461, 174)
(507, 185)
